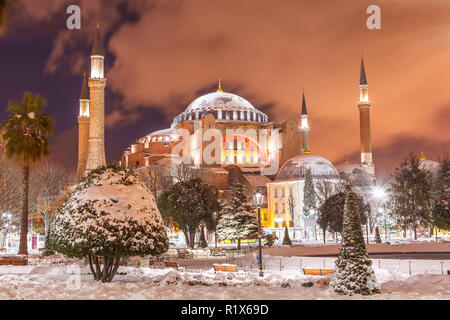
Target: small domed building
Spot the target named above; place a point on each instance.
(286, 193)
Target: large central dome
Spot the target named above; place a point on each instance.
(224, 106)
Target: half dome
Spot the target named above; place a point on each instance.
(296, 168)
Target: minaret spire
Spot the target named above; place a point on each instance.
(84, 88)
(304, 127)
(304, 112)
(362, 76)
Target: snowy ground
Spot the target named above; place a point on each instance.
(43, 280)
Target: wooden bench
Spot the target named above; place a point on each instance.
(317, 272)
(225, 268)
(184, 254)
(217, 252)
(15, 261)
(173, 264)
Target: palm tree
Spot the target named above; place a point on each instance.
(4, 12)
(26, 131)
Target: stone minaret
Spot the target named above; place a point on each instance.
(97, 83)
(364, 122)
(304, 127)
(83, 128)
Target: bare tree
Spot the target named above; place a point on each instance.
(50, 182)
(327, 188)
(10, 190)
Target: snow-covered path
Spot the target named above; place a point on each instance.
(73, 282)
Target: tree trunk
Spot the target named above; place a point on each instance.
(324, 236)
(404, 233)
(415, 232)
(192, 239)
(186, 237)
(215, 237)
(23, 246)
(239, 244)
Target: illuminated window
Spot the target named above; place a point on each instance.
(283, 208)
(275, 209)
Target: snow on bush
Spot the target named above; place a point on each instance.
(112, 214)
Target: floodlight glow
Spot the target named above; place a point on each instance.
(379, 193)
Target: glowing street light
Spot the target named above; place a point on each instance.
(379, 193)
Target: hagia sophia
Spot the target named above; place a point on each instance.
(242, 157)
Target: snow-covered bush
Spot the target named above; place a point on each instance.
(110, 214)
(353, 273)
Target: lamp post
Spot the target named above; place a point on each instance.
(258, 199)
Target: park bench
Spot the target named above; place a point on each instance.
(184, 254)
(217, 252)
(173, 264)
(225, 268)
(317, 272)
(15, 261)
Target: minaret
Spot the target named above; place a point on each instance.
(97, 83)
(83, 128)
(304, 127)
(364, 122)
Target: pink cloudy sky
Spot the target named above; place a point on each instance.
(163, 53)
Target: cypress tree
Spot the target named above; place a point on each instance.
(377, 235)
(287, 241)
(353, 273)
(309, 196)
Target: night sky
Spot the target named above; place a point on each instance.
(161, 55)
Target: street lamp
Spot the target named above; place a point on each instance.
(258, 199)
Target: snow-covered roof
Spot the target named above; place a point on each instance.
(296, 167)
(257, 180)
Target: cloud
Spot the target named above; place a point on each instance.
(162, 54)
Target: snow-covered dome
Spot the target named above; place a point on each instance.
(351, 169)
(224, 106)
(429, 165)
(296, 167)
